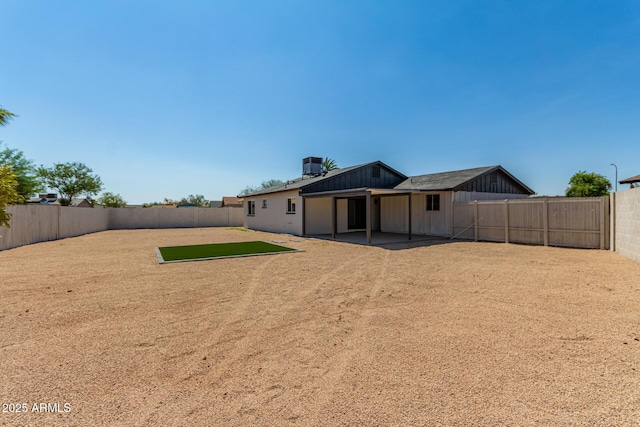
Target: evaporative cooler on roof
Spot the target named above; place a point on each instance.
(312, 166)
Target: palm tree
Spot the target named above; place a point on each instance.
(5, 116)
(329, 164)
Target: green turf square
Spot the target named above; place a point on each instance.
(218, 250)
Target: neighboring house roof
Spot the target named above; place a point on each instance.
(456, 180)
(312, 184)
(232, 201)
(631, 180)
(81, 203)
(215, 204)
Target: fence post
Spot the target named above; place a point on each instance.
(506, 221)
(602, 230)
(545, 220)
(475, 220)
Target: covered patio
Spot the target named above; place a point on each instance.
(361, 215)
(378, 238)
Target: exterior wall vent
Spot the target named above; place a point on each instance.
(312, 166)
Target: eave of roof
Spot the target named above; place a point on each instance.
(631, 180)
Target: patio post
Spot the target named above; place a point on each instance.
(368, 217)
(410, 215)
(333, 217)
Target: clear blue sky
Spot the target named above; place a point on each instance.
(171, 98)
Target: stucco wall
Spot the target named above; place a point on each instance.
(626, 213)
(318, 216)
(274, 217)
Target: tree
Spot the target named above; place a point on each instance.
(583, 184)
(198, 200)
(329, 164)
(8, 193)
(29, 182)
(265, 184)
(70, 180)
(5, 116)
(111, 200)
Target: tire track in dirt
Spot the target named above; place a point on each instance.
(240, 348)
(337, 366)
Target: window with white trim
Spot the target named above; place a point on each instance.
(291, 205)
(251, 208)
(264, 203)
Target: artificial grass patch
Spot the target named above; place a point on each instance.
(218, 250)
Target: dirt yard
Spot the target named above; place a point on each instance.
(455, 334)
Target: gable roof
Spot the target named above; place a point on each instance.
(453, 180)
(306, 182)
(81, 202)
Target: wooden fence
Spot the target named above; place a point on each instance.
(557, 221)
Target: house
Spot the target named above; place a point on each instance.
(374, 197)
(81, 203)
(633, 182)
(232, 202)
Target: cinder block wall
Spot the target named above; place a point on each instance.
(40, 223)
(626, 209)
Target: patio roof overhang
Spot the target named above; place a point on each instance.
(367, 193)
(360, 192)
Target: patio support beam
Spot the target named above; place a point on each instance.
(368, 210)
(410, 219)
(333, 217)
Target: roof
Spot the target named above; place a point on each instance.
(631, 180)
(215, 204)
(300, 183)
(451, 180)
(232, 201)
(80, 201)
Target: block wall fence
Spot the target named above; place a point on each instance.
(40, 223)
(625, 223)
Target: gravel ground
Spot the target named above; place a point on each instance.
(468, 334)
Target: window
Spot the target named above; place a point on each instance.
(264, 203)
(251, 208)
(433, 202)
(291, 206)
(375, 172)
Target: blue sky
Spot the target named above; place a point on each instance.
(171, 98)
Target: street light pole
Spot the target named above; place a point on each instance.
(615, 166)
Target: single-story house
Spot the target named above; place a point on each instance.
(375, 197)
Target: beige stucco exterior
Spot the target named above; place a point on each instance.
(274, 217)
(389, 213)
